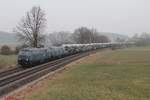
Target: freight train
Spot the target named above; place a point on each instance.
(28, 57)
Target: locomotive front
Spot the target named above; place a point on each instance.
(24, 58)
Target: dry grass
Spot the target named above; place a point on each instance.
(7, 61)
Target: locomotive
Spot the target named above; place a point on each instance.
(34, 56)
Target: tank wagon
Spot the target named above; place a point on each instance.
(34, 56)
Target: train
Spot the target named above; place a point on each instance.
(29, 57)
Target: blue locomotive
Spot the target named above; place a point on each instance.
(35, 56)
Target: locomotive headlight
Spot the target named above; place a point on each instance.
(27, 59)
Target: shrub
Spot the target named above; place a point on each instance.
(5, 50)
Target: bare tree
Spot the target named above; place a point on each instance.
(84, 35)
(141, 39)
(31, 27)
(100, 38)
(59, 38)
(97, 38)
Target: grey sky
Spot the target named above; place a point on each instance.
(121, 16)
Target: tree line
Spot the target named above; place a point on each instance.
(80, 35)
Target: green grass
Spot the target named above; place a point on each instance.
(114, 75)
(7, 61)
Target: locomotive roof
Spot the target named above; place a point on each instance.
(33, 49)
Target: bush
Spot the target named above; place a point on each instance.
(5, 50)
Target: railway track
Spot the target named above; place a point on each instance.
(20, 77)
(10, 71)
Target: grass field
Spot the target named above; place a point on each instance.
(7, 61)
(111, 75)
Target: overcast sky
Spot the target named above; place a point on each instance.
(120, 16)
